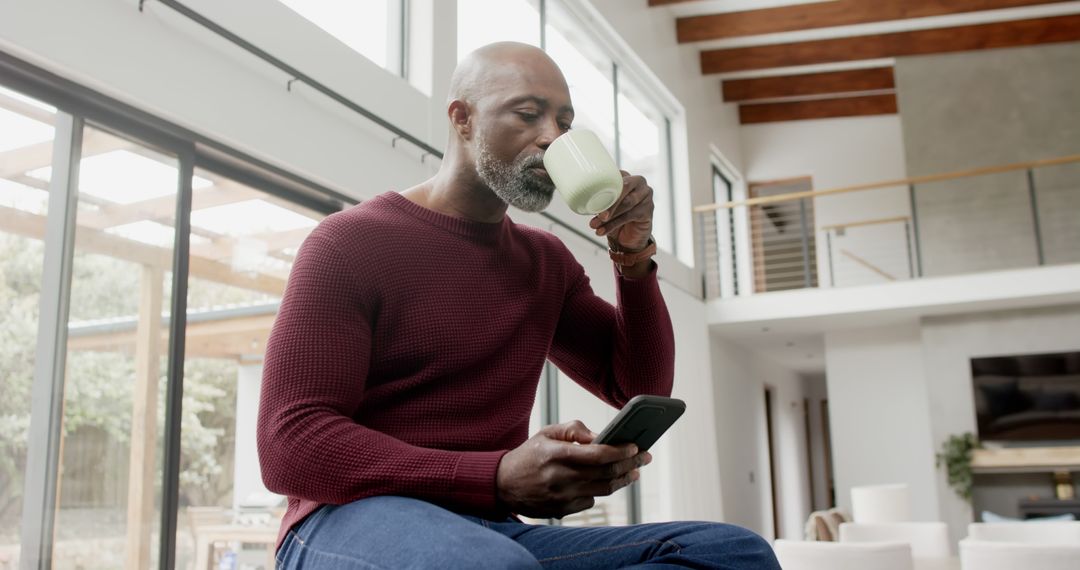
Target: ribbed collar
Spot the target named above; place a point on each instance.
(479, 231)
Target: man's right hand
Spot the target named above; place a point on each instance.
(551, 475)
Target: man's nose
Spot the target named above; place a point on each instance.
(551, 131)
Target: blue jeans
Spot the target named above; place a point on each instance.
(398, 532)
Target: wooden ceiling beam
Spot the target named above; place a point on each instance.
(922, 42)
(827, 15)
(88, 239)
(27, 158)
(817, 109)
(849, 81)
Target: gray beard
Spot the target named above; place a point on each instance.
(512, 182)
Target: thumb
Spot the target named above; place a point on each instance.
(573, 431)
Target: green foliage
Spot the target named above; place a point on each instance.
(956, 456)
(99, 385)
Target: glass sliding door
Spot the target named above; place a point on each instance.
(243, 242)
(26, 144)
(109, 495)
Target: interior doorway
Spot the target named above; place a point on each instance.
(772, 460)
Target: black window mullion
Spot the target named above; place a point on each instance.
(174, 388)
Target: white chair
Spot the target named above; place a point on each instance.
(1028, 532)
(927, 539)
(880, 503)
(983, 555)
(801, 555)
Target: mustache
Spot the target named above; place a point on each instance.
(534, 161)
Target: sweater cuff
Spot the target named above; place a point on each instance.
(636, 294)
(474, 479)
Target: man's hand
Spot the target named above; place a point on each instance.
(550, 475)
(628, 223)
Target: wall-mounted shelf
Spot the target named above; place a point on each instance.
(1026, 460)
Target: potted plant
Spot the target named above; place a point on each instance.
(956, 456)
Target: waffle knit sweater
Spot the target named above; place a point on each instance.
(406, 354)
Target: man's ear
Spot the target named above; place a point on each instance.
(460, 116)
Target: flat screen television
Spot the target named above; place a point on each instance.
(1030, 397)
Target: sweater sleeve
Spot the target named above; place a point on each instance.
(311, 446)
(616, 352)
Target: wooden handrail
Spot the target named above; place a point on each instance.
(888, 276)
(865, 223)
(903, 182)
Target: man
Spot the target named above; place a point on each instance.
(403, 364)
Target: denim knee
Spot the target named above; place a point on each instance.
(731, 546)
(756, 552)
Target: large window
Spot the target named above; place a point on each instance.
(481, 22)
(26, 139)
(120, 293)
(243, 244)
(643, 149)
(372, 28)
(109, 437)
(589, 74)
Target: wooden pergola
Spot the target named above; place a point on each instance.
(237, 332)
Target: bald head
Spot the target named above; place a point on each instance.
(499, 66)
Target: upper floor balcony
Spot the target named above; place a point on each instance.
(942, 240)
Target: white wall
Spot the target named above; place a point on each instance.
(739, 381)
(949, 343)
(880, 414)
(836, 153)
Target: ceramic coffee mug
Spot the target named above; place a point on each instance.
(583, 172)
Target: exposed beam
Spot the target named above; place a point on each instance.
(226, 338)
(827, 15)
(922, 42)
(31, 157)
(818, 109)
(808, 84)
(163, 208)
(88, 239)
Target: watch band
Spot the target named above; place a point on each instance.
(628, 258)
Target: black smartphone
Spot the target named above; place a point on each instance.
(642, 421)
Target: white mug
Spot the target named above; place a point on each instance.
(583, 172)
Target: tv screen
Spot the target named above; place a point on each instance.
(1031, 397)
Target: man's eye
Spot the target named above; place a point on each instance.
(564, 126)
(529, 117)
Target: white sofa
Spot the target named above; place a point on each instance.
(927, 539)
(1030, 532)
(806, 555)
(986, 555)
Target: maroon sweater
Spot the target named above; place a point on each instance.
(406, 354)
